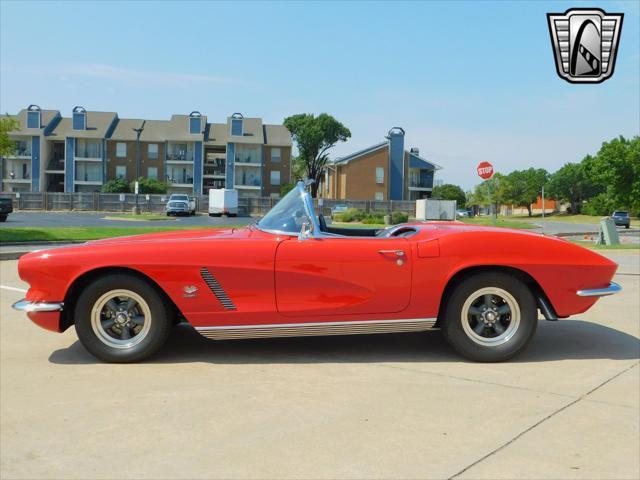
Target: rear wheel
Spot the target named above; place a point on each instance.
(122, 318)
(490, 317)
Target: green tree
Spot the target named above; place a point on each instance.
(615, 170)
(117, 185)
(314, 137)
(7, 124)
(570, 184)
(149, 185)
(448, 191)
(524, 186)
(492, 192)
(286, 188)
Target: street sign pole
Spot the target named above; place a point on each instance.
(485, 171)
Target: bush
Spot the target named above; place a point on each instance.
(149, 185)
(399, 217)
(373, 218)
(601, 205)
(349, 215)
(118, 185)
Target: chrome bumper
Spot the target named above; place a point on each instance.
(600, 292)
(27, 306)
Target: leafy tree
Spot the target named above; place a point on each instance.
(524, 186)
(286, 188)
(616, 170)
(149, 185)
(492, 192)
(7, 124)
(314, 137)
(449, 191)
(570, 184)
(117, 185)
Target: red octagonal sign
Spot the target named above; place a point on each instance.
(485, 170)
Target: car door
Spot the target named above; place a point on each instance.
(342, 276)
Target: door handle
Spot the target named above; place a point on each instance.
(398, 253)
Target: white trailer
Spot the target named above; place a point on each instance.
(223, 201)
(427, 209)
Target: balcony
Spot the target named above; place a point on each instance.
(22, 151)
(179, 153)
(17, 171)
(248, 178)
(56, 164)
(248, 156)
(213, 171)
(419, 184)
(88, 151)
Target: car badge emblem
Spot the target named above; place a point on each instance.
(190, 291)
(585, 43)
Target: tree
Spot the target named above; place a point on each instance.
(149, 185)
(492, 192)
(7, 124)
(449, 191)
(314, 137)
(570, 184)
(117, 185)
(524, 186)
(615, 169)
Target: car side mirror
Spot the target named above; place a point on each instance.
(305, 231)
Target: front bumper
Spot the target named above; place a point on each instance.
(600, 292)
(27, 306)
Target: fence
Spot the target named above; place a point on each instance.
(124, 202)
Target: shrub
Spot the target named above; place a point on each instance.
(349, 215)
(600, 205)
(399, 217)
(373, 218)
(149, 185)
(117, 185)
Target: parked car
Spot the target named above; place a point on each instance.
(181, 204)
(338, 209)
(621, 218)
(291, 274)
(462, 213)
(6, 207)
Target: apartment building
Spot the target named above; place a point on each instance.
(384, 171)
(82, 152)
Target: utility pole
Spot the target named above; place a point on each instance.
(543, 207)
(138, 131)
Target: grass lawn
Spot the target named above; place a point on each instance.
(143, 217)
(621, 246)
(37, 234)
(500, 222)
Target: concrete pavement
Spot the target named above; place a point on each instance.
(379, 406)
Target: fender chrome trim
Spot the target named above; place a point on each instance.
(27, 306)
(316, 328)
(600, 292)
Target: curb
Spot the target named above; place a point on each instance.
(16, 254)
(11, 255)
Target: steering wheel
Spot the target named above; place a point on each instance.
(322, 222)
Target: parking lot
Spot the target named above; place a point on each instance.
(378, 406)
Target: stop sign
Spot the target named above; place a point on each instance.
(485, 170)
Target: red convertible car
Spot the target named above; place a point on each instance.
(291, 274)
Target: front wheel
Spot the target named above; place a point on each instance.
(122, 318)
(490, 317)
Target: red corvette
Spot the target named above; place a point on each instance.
(291, 274)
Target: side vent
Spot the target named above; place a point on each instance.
(217, 289)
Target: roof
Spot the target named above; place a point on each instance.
(277, 135)
(416, 161)
(360, 153)
(98, 124)
(178, 128)
(46, 116)
(154, 130)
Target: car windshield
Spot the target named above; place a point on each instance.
(620, 214)
(288, 215)
(180, 197)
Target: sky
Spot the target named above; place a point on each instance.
(467, 81)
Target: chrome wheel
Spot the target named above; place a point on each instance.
(121, 318)
(490, 316)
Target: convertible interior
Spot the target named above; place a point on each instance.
(393, 231)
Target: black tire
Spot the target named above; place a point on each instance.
(161, 318)
(627, 226)
(509, 342)
(3, 218)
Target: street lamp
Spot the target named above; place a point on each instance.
(138, 131)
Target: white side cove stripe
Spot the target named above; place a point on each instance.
(13, 289)
(317, 328)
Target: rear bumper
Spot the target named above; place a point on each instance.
(600, 292)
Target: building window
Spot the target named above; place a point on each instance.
(88, 148)
(121, 171)
(276, 155)
(275, 177)
(379, 175)
(79, 121)
(236, 127)
(194, 125)
(379, 196)
(152, 151)
(33, 119)
(152, 173)
(121, 150)
(248, 154)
